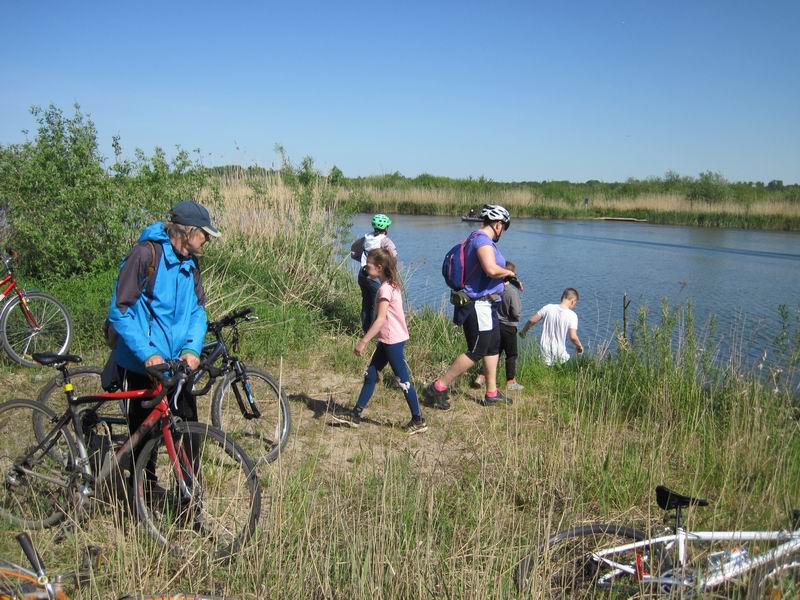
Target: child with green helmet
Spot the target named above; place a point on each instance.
(359, 251)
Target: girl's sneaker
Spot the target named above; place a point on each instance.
(351, 418)
(416, 425)
(500, 398)
(513, 386)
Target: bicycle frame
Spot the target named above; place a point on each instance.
(23, 302)
(159, 415)
(218, 349)
(715, 575)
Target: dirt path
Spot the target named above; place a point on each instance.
(452, 436)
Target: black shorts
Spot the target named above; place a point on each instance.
(486, 342)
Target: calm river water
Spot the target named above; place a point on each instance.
(739, 276)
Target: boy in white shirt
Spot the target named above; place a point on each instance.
(559, 320)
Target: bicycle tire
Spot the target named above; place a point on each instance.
(263, 438)
(775, 578)
(24, 499)
(20, 341)
(183, 525)
(563, 566)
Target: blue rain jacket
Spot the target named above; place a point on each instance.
(165, 315)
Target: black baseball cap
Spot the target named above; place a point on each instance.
(193, 214)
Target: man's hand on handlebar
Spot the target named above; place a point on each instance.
(154, 360)
(191, 360)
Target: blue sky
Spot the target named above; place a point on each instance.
(511, 91)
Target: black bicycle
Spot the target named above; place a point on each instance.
(247, 403)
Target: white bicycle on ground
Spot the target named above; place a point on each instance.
(609, 558)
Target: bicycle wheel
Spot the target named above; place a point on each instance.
(41, 324)
(39, 484)
(777, 579)
(566, 566)
(217, 510)
(262, 438)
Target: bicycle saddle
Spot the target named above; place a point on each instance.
(669, 500)
(51, 358)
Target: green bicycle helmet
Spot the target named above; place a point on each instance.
(381, 222)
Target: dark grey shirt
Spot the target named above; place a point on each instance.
(510, 307)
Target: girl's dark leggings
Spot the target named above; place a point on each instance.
(391, 354)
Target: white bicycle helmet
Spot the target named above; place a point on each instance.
(495, 212)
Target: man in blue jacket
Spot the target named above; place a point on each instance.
(158, 306)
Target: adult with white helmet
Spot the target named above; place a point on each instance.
(485, 272)
(359, 251)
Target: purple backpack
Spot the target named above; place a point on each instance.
(453, 267)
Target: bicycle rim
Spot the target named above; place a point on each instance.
(262, 438)
(51, 332)
(777, 580)
(216, 511)
(38, 484)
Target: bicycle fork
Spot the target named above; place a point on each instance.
(249, 411)
(181, 463)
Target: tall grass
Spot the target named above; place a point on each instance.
(375, 514)
(668, 207)
(449, 515)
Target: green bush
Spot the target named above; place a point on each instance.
(93, 214)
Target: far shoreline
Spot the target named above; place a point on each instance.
(700, 215)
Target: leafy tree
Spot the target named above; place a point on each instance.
(67, 214)
(335, 176)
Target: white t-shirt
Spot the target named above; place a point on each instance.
(556, 323)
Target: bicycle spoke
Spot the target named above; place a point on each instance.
(263, 437)
(51, 334)
(216, 510)
(578, 564)
(37, 478)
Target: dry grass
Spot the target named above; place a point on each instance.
(519, 200)
(372, 513)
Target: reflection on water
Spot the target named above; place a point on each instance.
(739, 276)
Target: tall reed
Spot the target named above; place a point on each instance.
(666, 207)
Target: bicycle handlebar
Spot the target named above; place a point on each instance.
(181, 373)
(231, 318)
(167, 382)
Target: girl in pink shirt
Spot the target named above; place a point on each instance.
(392, 333)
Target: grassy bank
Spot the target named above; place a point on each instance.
(373, 513)
(761, 212)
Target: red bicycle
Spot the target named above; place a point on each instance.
(193, 487)
(31, 322)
